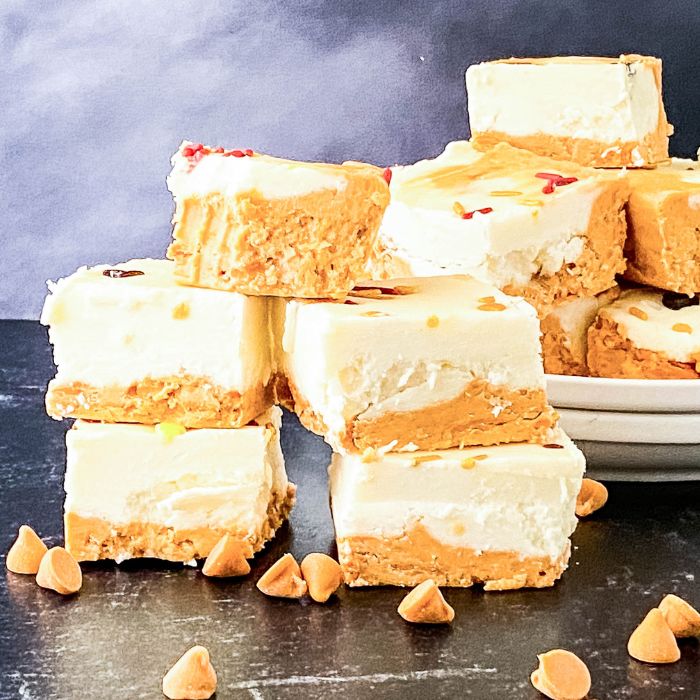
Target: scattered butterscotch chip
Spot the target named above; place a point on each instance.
(373, 314)
(682, 328)
(478, 458)
(486, 300)
(432, 322)
(192, 677)
(59, 572)
(283, 579)
(226, 559)
(458, 209)
(653, 641)
(468, 463)
(592, 496)
(681, 616)
(26, 553)
(561, 675)
(424, 458)
(322, 574)
(491, 307)
(426, 604)
(643, 315)
(181, 311)
(505, 193)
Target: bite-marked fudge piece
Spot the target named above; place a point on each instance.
(171, 493)
(132, 346)
(663, 219)
(605, 112)
(267, 226)
(565, 333)
(646, 334)
(534, 227)
(425, 363)
(501, 516)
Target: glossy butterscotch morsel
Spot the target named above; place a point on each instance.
(653, 641)
(426, 604)
(60, 572)
(26, 553)
(226, 559)
(283, 579)
(192, 677)
(681, 616)
(561, 675)
(592, 497)
(322, 574)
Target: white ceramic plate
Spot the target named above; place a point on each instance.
(639, 395)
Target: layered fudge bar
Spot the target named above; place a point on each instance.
(424, 363)
(663, 217)
(168, 492)
(267, 226)
(565, 333)
(532, 226)
(501, 516)
(596, 111)
(133, 346)
(647, 334)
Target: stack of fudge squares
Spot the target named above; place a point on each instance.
(448, 462)
(566, 195)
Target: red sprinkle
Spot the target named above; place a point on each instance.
(554, 180)
(387, 175)
(470, 214)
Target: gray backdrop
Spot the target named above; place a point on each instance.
(96, 96)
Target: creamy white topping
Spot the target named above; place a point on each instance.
(656, 332)
(201, 478)
(520, 498)
(271, 177)
(526, 234)
(109, 331)
(606, 101)
(405, 352)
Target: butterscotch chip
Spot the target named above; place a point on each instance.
(682, 328)
(491, 307)
(322, 574)
(653, 641)
(181, 311)
(592, 496)
(226, 559)
(26, 553)
(59, 572)
(283, 579)
(192, 677)
(561, 675)
(425, 604)
(642, 315)
(681, 616)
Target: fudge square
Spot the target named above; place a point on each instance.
(133, 346)
(424, 363)
(266, 226)
(501, 516)
(663, 217)
(593, 110)
(532, 226)
(647, 334)
(167, 492)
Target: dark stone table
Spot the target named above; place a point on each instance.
(129, 623)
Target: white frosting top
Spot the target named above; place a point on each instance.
(674, 333)
(201, 478)
(603, 100)
(230, 175)
(526, 233)
(115, 331)
(519, 497)
(403, 352)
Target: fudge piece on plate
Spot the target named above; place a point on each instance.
(592, 110)
(542, 229)
(565, 333)
(167, 492)
(647, 334)
(260, 225)
(663, 218)
(133, 346)
(501, 516)
(424, 363)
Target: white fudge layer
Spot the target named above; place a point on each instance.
(519, 498)
(525, 235)
(108, 331)
(206, 478)
(607, 100)
(408, 351)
